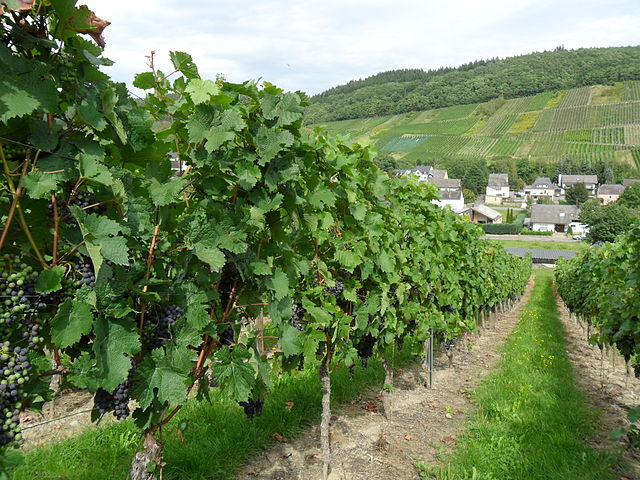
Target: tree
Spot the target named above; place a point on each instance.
(469, 195)
(606, 222)
(577, 194)
(631, 196)
(386, 162)
(476, 177)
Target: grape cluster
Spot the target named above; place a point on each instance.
(365, 349)
(296, 318)
(227, 336)
(158, 323)
(252, 408)
(118, 400)
(22, 304)
(14, 368)
(85, 274)
(82, 199)
(335, 290)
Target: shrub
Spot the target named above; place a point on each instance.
(501, 228)
(526, 231)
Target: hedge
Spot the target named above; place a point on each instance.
(501, 228)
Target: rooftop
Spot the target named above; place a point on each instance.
(498, 180)
(555, 214)
(611, 189)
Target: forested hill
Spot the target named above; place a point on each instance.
(400, 91)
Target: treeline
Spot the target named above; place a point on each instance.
(407, 90)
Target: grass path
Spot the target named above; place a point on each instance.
(532, 421)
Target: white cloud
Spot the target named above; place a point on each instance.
(311, 45)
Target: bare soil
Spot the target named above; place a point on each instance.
(423, 425)
(609, 387)
(66, 417)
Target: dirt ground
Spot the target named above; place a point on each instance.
(423, 424)
(607, 386)
(70, 416)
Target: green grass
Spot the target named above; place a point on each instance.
(541, 244)
(531, 422)
(218, 439)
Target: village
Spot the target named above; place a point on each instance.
(544, 200)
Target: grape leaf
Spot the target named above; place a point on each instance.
(290, 341)
(74, 319)
(201, 91)
(233, 373)
(184, 63)
(49, 280)
(160, 378)
(40, 184)
(116, 342)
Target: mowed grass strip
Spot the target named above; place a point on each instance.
(217, 439)
(532, 422)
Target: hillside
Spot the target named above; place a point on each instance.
(401, 91)
(592, 129)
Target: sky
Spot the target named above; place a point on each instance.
(315, 45)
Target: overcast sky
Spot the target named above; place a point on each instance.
(314, 45)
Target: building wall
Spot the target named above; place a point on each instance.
(608, 198)
(543, 227)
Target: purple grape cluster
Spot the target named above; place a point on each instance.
(365, 349)
(117, 401)
(85, 274)
(336, 290)
(252, 408)
(158, 324)
(296, 318)
(14, 370)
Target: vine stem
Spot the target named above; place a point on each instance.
(56, 220)
(152, 248)
(17, 192)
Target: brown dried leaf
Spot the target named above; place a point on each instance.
(448, 415)
(408, 436)
(289, 405)
(279, 438)
(97, 26)
(24, 5)
(371, 407)
(449, 440)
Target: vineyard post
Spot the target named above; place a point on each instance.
(386, 389)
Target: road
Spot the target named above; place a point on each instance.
(560, 237)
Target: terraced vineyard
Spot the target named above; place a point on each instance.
(587, 123)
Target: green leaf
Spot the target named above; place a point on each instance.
(322, 197)
(279, 283)
(144, 81)
(234, 373)
(290, 341)
(73, 320)
(159, 377)
(40, 184)
(212, 256)
(44, 137)
(50, 280)
(116, 342)
(321, 316)
(248, 174)
(95, 171)
(201, 91)
(270, 141)
(230, 121)
(166, 193)
(184, 64)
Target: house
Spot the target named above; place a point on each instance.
(423, 172)
(446, 184)
(541, 187)
(553, 218)
(608, 193)
(455, 199)
(483, 214)
(567, 181)
(497, 188)
(628, 181)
